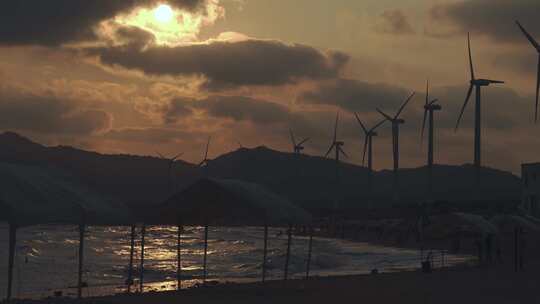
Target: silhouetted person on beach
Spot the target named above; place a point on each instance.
(480, 248)
(489, 241)
(499, 251)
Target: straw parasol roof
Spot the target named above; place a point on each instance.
(227, 202)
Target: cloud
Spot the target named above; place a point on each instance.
(236, 108)
(230, 64)
(394, 22)
(355, 95)
(50, 115)
(55, 22)
(494, 18)
(152, 135)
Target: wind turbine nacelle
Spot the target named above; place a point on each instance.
(400, 121)
(299, 148)
(436, 107)
(481, 82)
(373, 133)
(340, 143)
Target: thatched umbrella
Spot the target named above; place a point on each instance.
(225, 202)
(33, 195)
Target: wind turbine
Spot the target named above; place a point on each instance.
(537, 47)
(297, 147)
(430, 106)
(170, 164)
(476, 83)
(205, 162)
(368, 147)
(337, 147)
(396, 122)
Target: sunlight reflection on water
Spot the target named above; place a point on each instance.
(47, 257)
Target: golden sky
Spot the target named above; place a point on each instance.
(140, 76)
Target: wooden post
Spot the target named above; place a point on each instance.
(521, 249)
(179, 258)
(81, 260)
(205, 271)
(131, 254)
(310, 249)
(141, 274)
(288, 255)
(265, 252)
(516, 249)
(11, 258)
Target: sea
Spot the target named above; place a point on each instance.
(46, 261)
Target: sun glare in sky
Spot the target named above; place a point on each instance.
(163, 13)
(170, 26)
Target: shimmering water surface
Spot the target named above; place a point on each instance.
(47, 258)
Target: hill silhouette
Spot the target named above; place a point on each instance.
(307, 180)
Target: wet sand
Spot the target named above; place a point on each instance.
(494, 285)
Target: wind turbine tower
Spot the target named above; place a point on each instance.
(477, 84)
(368, 147)
(396, 122)
(430, 106)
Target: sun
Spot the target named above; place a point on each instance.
(163, 13)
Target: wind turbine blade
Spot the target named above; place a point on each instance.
(470, 56)
(177, 156)
(404, 105)
(365, 150)
(207, 147)
(303, 141)
(433, 101)
(360, 122)
(385, 115)
(427, 91)
(293, 140)
(537, 90)
(464, 105)
(336, 126)
(423, 126)
(378, 125)
(529, 37)
(160, 155)
(330, 149)
(343, 152)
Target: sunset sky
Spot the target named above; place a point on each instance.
(140, 76)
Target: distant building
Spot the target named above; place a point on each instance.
(530, 183)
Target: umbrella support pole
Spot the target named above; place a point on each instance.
(265, 253)
(288, 254)
(205, 256)
(81, 260)
(131, 254)
(310, 250)
(141, 270)
(11, 258)
(179, 257)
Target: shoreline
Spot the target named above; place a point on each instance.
(494, 285)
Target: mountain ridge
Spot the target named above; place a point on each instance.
(305, 179)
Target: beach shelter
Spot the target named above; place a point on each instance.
(226, 202)
(458, 224)
(32, 195)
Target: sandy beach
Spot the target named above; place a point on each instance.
(494, 285)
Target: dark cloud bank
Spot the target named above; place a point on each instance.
(494, 18)
(230, 64)
(54, 22)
